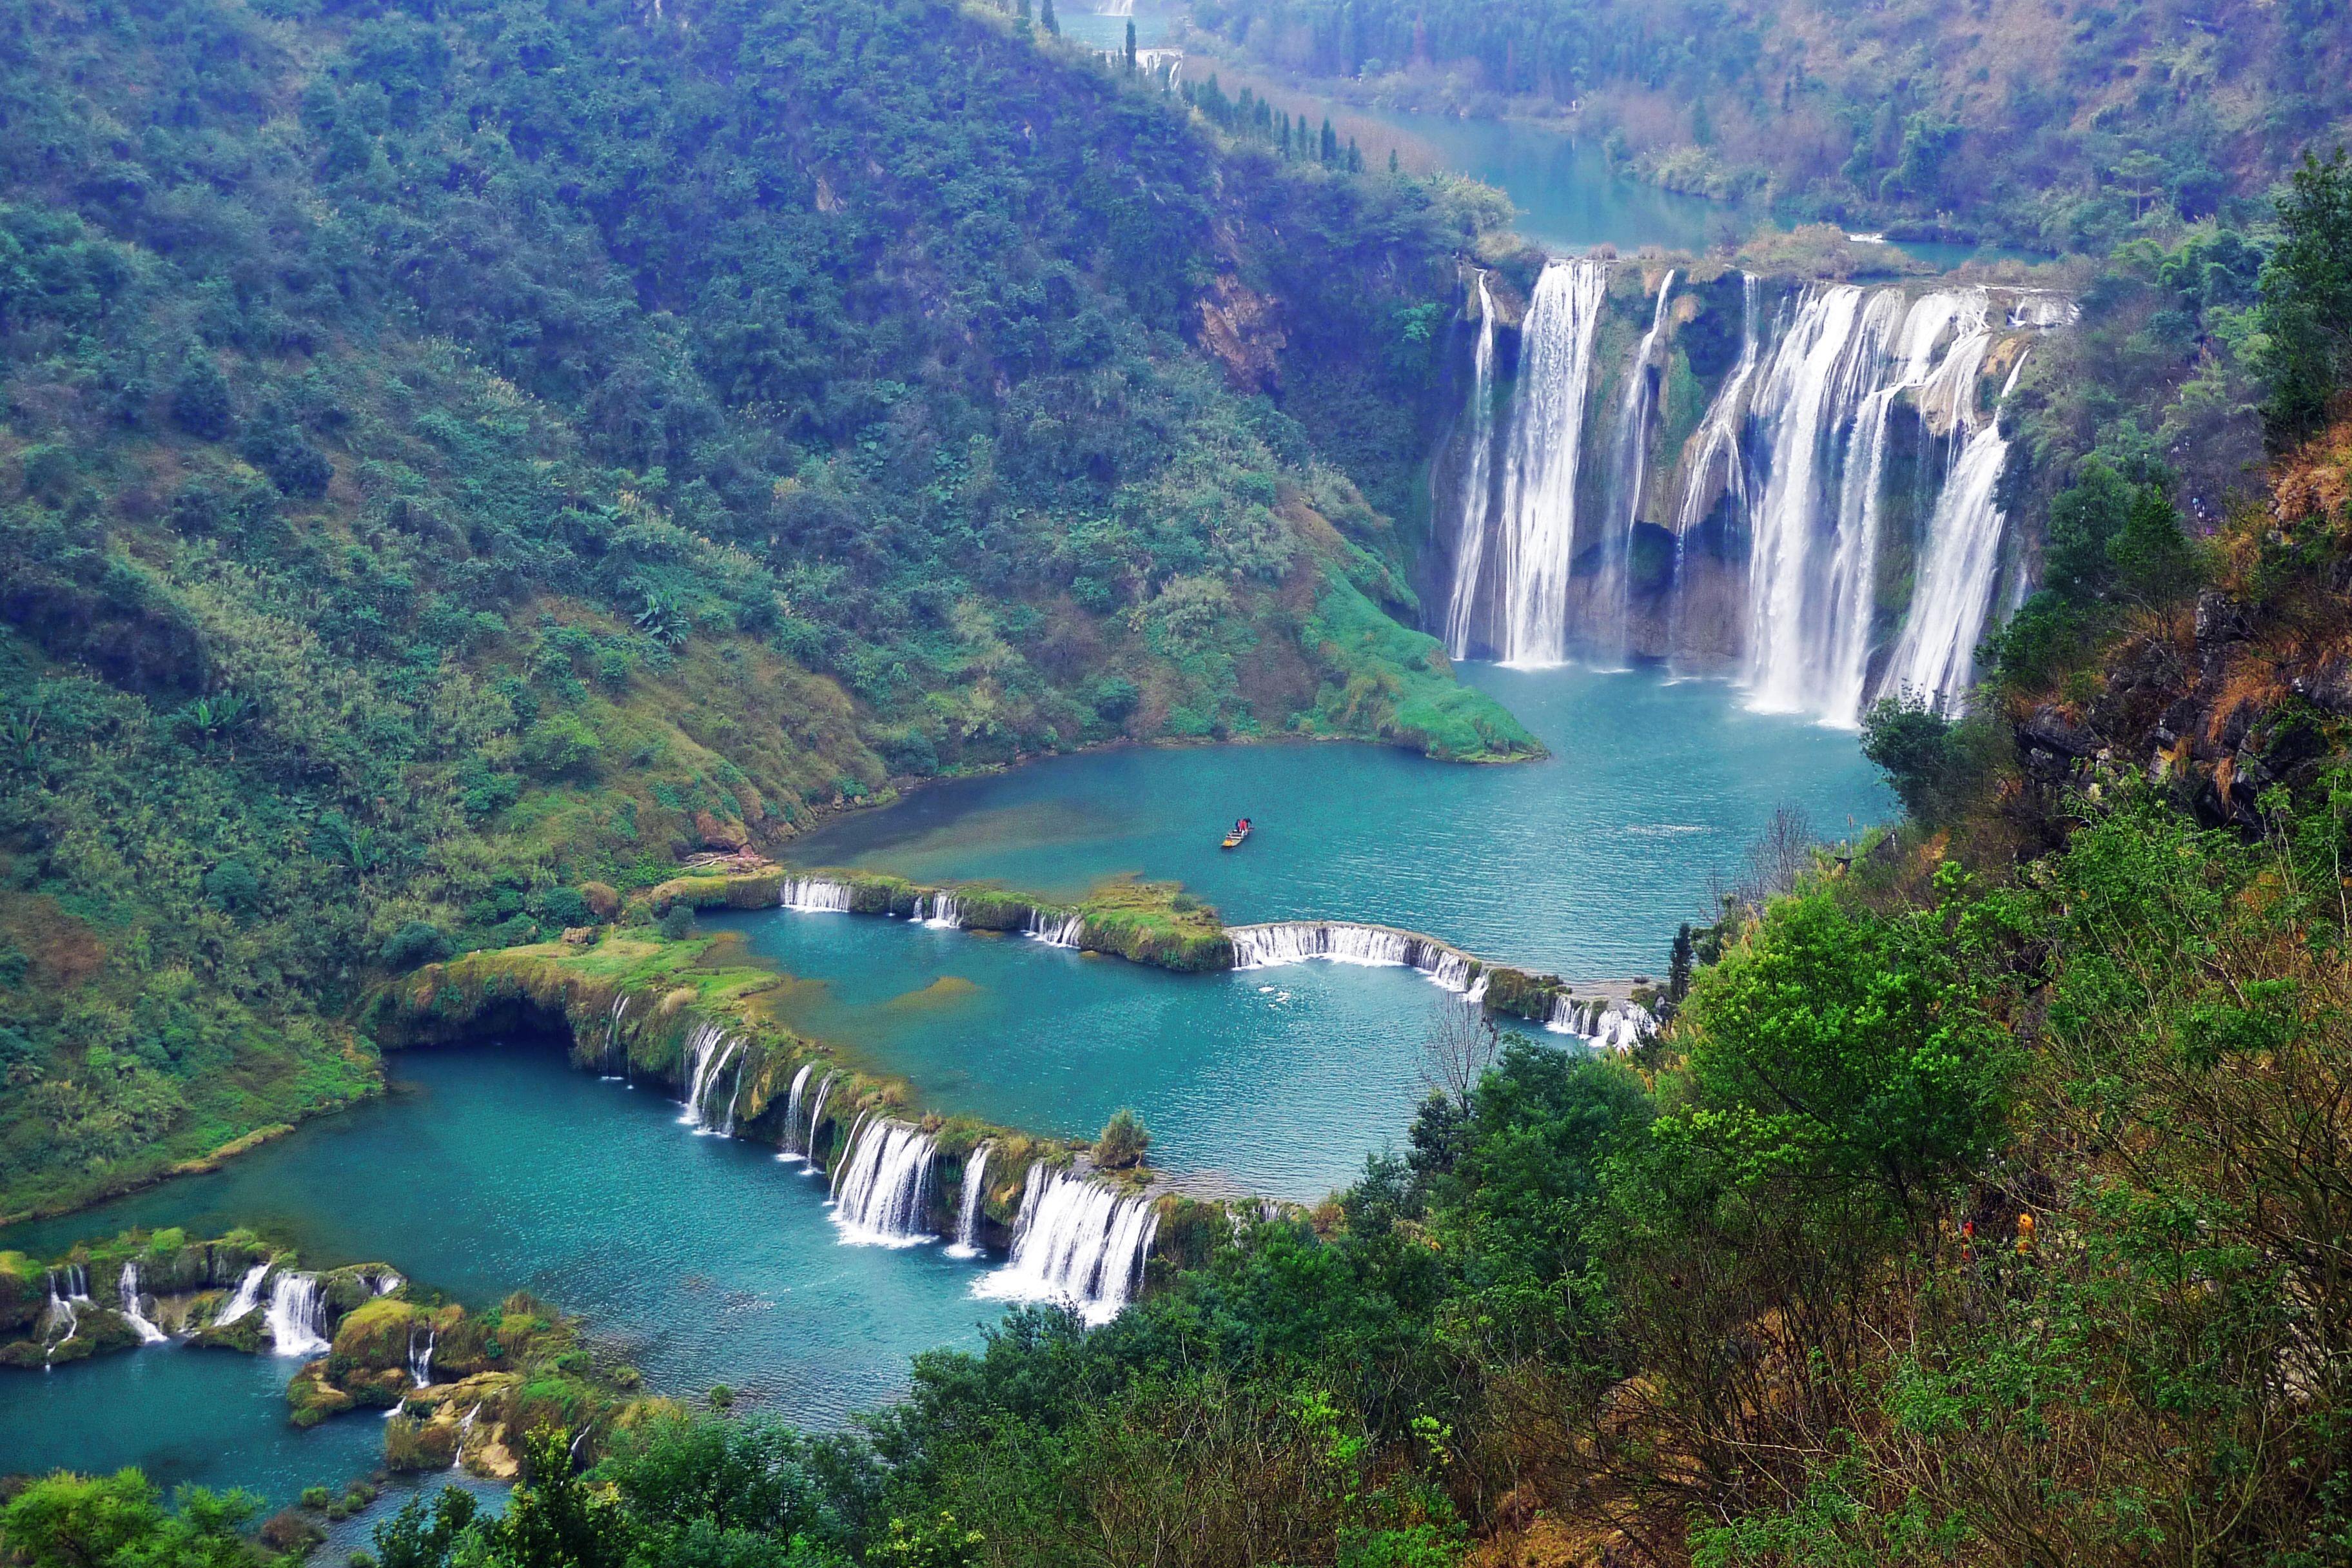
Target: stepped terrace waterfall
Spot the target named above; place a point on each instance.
(886, 1180)
(1079, 1242)
(1790, 483)
(708, 1053)
(1343, 942)
(975, 1189)
(297, 1316)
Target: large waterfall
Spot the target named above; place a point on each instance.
(884, 1182)
(794, 1143)
(1826, 531)
(1079, 1242)
(1056, 930)
(941, 912)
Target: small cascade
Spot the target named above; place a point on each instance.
(68, 1297)
(1342, 941)
(1476, 995)
(941, 912)
(886, 1178)
(817, 1120)
(1078, 1243)
(420, 1357)
(464, 1428)
(1604, 1026)
(1478, 483)
(297, 1316)
(615, 1056)
(815, 896)
(708, 1049)
(127, 1289)
(1055, 929)
(788, 1153)
(727, 1127)
(247, 1296)
(848, 1148)
(975, 1191)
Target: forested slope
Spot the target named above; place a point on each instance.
(2064, 125)
(457, 458)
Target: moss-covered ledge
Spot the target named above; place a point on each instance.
(631, 1003)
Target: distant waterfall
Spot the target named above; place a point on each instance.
(1478, 483)
(1805, 446)
(1341, 942)
(885, 1176)
(813, 895)
(794, 1152)
(247, 1297)
(941, 912)
(1056, 931)
(1116, 8)
(297, 1316)
(1606, 1026)
(126, 1291)
(708, 1049)
(1935, 655)
(1512, 561)
(420, 1358)
(66, 1297)
(1079, 1242)
(975, 1192)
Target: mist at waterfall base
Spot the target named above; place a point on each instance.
(1582, 864)
(489, 1169)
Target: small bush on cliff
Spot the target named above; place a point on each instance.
(677, 923)
(1123, 1142)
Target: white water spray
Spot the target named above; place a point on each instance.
(1478, 484)
(815, 895)
(1078, 1243)
(126, 1291)
(886, 1179)
(297, 1316)
(247, 1296)
(975, 1191)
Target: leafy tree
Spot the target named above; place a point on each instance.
(557, 1519)
(1123, 1142)
(118, 1522)
(2306, 306)
(417, 942)
(1911, 741)
(200, 399)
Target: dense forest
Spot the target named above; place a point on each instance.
(2065, 127)
(458, 458)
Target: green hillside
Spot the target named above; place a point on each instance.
(456, 457)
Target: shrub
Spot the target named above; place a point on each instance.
(417, 942)
(1123, 1142)
(316, 1496)
(677, 923)
(602, 898)
(200, 401)
(232, 885)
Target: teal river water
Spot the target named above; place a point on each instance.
(490, 1168)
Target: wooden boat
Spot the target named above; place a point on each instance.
(1240, 832)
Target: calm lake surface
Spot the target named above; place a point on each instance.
(492, 1168)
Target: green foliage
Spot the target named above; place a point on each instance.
(1123, 1142)
(2306, 306)
(118, 1522)
(418, 941)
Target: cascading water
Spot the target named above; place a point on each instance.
(1605, 1025)
(789, 1153)
(886, 1178)
(297, 1316)
(813, 895)
(420, 1357)
(975, 1191)
(1056, 930)
(464, 1427)
(1515, 587)
(727, 1127)
(1341, 942)
(817, 1120)
(848, 1148)
(1632, 466)
(247, 1296)
(1795, 446)
(941, 912)
(612, 1039)
(1935, 657)
(708, 1049)
(1078, 1242)
(127, 1290)
(1478, 483)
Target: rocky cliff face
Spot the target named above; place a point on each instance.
(2251, 687)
